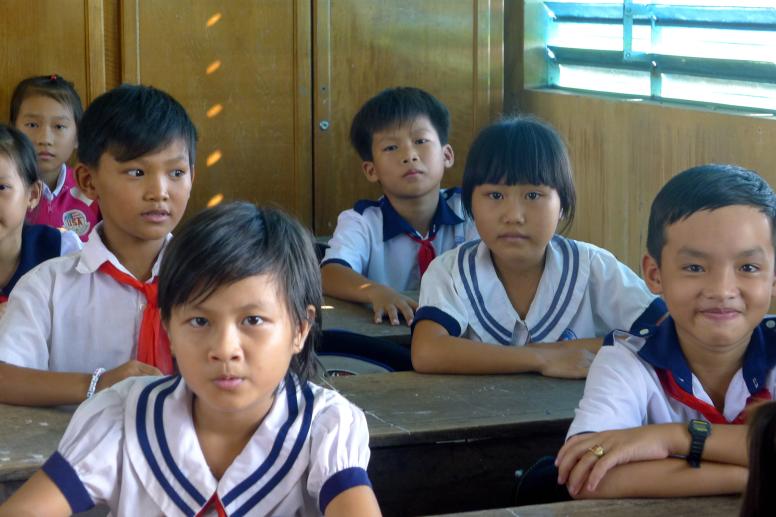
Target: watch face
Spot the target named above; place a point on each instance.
(700, 426)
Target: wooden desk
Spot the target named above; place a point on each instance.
(444, 443)
(720, 506)
(358, 318)
(28, 436)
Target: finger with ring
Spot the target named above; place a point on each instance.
(597, 450)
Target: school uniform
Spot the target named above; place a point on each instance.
(643, 378)
(66, 315)
(584, 292)
(40, 243)
(375, 241)
(134, 447)
(66, 206)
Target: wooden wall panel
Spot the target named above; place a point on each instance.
(242, 70)
(624, 152)
(41, 37)
(452, 48)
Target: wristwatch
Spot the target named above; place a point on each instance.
(699, 431)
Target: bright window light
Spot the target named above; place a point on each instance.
(718, 91)
(631, 82)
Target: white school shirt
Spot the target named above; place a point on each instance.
(584, 292)
(65, 316)
(624, 387)
(371, 239)
(134, 447)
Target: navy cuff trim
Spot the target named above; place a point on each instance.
(339, 482)
(436, 315)
(64, 476)
(336, 261)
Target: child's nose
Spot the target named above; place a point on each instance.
(722, 284)
(411, 156)
(156, 187)
(226, 345)
(513, 212)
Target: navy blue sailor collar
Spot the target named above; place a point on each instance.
(394, 224)
(662, 351)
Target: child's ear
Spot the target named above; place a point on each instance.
(651, 271)
(369, 171)
(84, 177)
(165, 326)
(36, 190)
(304, 329)
(449, 155)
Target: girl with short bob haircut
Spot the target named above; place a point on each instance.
(240, 430)
(523, 298)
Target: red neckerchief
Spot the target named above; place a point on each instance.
(707, 410)
(153, 345)
(426, 252)
(215, 503)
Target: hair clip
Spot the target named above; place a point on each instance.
(53, 77)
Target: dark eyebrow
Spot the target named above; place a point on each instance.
(693, 253)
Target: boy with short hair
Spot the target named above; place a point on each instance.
(71, 318)
(711, 257)
(383, 247)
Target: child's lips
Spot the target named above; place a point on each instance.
(720, 314)
(45, 155)
(228, 382)
(513, 236)
(156, 215)
(412, 172)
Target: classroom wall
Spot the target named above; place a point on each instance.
(623, 152)
(271, 84)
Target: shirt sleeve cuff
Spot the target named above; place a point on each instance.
(437, 316)
(339, 482)
(336, 261)
(64, 476)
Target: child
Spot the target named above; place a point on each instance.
(22, 247)
(242, 432)
(711, 256)
(522, 284)
(759, 498)
(383, 247)
(48, 110)
(71, 318)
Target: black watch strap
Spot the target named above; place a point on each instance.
(699, 431)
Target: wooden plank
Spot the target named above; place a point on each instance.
(405, 408)
(358, 318)
(720, 506)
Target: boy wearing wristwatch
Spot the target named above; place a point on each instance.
(661, 407)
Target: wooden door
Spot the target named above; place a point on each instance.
(242, 70)
(451, 48)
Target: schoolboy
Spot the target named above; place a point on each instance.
(380, 248)
(73, 317)
(711, 256)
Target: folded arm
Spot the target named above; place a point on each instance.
(436, 351)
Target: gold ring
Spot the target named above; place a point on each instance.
(597, 450)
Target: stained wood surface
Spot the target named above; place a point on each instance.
(408, 408)
(721, 506)
(28, 436)
(359, 318)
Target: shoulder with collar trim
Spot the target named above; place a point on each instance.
(450, 192)
(769, 324)
(362, 204)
